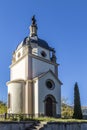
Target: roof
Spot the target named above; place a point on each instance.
(43, 74)
(38, 41)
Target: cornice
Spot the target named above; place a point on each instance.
(16, 81)
(19, 81)
(42, 59)
(18, 60)
(36, 57)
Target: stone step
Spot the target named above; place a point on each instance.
(37, 126)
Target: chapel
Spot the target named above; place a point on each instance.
(34, 86)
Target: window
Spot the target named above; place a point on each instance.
(50, 84)
(43, 54)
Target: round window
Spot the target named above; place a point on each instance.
(43, 53)
(50, 84)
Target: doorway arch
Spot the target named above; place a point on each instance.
(50, 106)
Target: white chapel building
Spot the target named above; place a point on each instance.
(34, 86)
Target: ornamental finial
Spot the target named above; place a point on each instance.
(33, 27)
(33, 20)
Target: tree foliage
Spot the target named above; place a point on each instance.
(77, 104)
(3, 107)
(66, 110)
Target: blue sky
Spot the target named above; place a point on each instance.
(63, 24)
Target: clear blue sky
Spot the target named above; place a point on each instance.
(62, 23)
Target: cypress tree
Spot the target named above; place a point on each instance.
(77, 104)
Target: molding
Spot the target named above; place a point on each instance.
(43, 74)
(18, 61)
(15, 81)
(42, 59)
(19, 81)
(36, 57)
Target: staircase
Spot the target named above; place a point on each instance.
(37, 126)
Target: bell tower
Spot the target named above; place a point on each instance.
(34, 84)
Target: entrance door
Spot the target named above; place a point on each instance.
(50, 106)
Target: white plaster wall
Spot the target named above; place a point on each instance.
(18, 70)
(44, 91)
(21, 53)
(39, 67)
(15, 91)
(36, 97)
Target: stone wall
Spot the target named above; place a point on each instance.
(65, 126)
(30, 125)
(15, 125)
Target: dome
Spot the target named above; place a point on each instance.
(30, 41)
(33, 38)
(41, 43)
(24, 42)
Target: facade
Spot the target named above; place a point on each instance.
(34, 86)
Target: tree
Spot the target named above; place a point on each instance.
(77, 104)
(3, 107)
(66, 110)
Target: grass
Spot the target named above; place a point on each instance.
(48, 119)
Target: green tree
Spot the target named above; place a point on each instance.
(77, 104)
(66, 110)
(3, 107)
